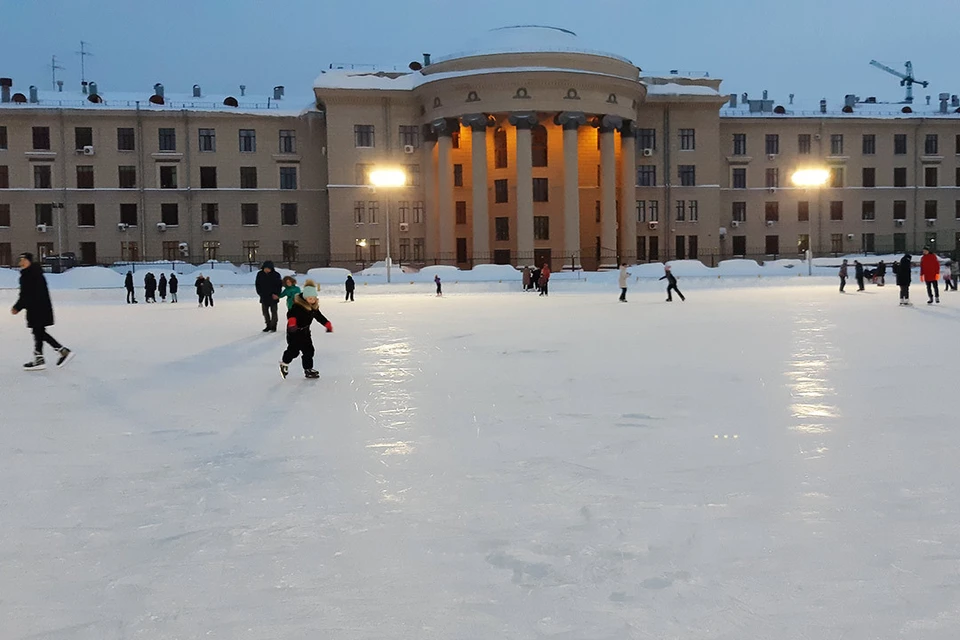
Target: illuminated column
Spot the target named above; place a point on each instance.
(444, 129)
(608, 190)
(571, 122)
(524, 122)
(478, 123)
(628, 193)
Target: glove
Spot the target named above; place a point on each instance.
(329, 327)
(291, 325)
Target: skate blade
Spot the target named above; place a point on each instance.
(69, 357)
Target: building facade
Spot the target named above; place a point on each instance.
(528, 148)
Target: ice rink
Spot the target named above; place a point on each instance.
(769, 463)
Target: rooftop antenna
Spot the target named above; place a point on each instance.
(54, 67)
(83, 57)
(906, 79)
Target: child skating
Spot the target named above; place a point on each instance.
(671, 284)
(301, 315)
(436, 281)
(290, 290)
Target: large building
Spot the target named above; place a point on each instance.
(528, 148)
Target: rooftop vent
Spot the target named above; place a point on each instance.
(230, 101)
(954, 101)
(426, 59)
(92, 90)
(243, 90)
(823, 106)
(34, 99)
(415, 66)
(850, 100)
(764, 94)
(5, 84)
(944, 100)
(791, 98)
(674, 72)
(60, 86)
(83, 87)
(928, 101)
(871, 100)
(19, 98)
(906, 109)
(779, 110)
(278, 92)
(847, 109)
(760, 106)
(196, 91)
(156, 99)
(158, 90)
(733, 101)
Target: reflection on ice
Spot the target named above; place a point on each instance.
(809, 367)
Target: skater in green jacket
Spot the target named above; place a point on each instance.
(290, 290)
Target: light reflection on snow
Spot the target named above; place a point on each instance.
(807, 374)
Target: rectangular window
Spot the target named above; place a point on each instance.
(868, 242)
(900, 144)
(803, 144)
(869, 144)
(373, 211)
(126, 139)
(647, 139)
(41, 138)
(460, 206)
(692, 247)
(211, 249)
(419, 249)
(500, 148)
(956, 143)
(836, 242)
(363, 135)
(250, 214)
(502, 228)
(85, 177)
(288, 141)
(3, 141)
(210, 212)
(374, 245)
(772, 245)
(596, 210)
(208, 177)
(288, 214)
(410, 135)
(4, 222)
(418, 211)
(4, 177)
(899, 209)
(359, 211)
(956, 213)
(170, 214)
(127, 177)
(404, 249)
(772, 144)
(128, 214)
(248, 140)
(291, 251)
(251, 249)
(403, 207)
(83, 137)
(836, 210)
(803, 211)
(681, 210)
(413, 175)
(836, 144)
(653, 208)
(899, 242)
(641, 210)
(693, 211)
(361, 173)
(899, 176)
(688, 139)
(208, 140)
(88, 253)
(42, 177)
(641, 248)
(931, 145)
(171, 250)
(803, 242)
(288, 177)
(771, 212)
(541, 227)
(739, 144)
(739, 176)
(458, 175)
(957, 177)
(836, 177)
(687, 174)
(868, 210)
(541, 190)
(129, 252)
(930, 176)
(738, 211)
(869, 177)
(539, 150)
(168, 177)
(455, 139)
(773, 178)
(647, 175)
(167, 139)
(44, 213)
(500, 191)
(930, 210)
(248, 177)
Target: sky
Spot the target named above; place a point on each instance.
(815, 48)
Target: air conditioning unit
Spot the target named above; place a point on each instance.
(207, 226)
(816, 136)
(850, 236)
(409, 148)
(122, 226)
(88, 150)
(771, 156)
(647, 153)
(736, 224)
(898, 222)
(771, 189)
(931, 222)
(42, 228)
(184, 248)
(769, 223)
(161, 226)
(404, 226)
(652, 224)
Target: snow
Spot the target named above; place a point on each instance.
(676, 89)
(751, 463)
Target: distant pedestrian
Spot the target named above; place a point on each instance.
(162, 287)
(903, 269)
(858, 273)
(535, 279)
(207, 288)
(930, 274)
(301, 315)
(946, 272)
(128, 285)
(671, 284)
(526, 279)
(150, 287)
(436, 281)
(290, 290)
(622, 281)
(198, 284)
(349, 286)
(881, 273)
(843, 275)
(35, 299)
(544, 280)
(269, 285)
(954, 273)
(174, 285)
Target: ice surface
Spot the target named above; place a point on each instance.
(769, 462)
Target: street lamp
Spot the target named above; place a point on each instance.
(388, 178)
(811, 179)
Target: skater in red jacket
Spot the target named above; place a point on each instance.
(930, 273)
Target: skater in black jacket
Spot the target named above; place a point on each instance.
(301, 315)
(269, 286)
(174, 285)
(35, 298)
(207, 288)
(150, 287)
(162, 287)
(671, 284)
(903, 279)
(881, 272)
(198, 283)
(350, 285)
(128, 285)
(858, 273)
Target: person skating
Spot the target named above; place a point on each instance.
(535, 279)
(128, 285)
(622, 281)
(198, 284)
(671, 284)
(301, 315)
(946, 272)
(174, 285)
(269, 285)
(930, 274)
(162, 287)
(349, 286)
(35, 299)
(858, 273)
(436, 281)
(843, 275)
(149, 288)
(526, 279)
(903, 271)
(545, 280)
(207, 288)
(954, 273)
(290, 290)
(881, 272)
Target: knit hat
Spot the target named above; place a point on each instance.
(26, 255)
(309, 289)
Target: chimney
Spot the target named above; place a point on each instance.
(426, 59)
(743, 97)
(5, 84)
(93, 89)
(278, 92)
(764, 94)
(823, 106)
(243, 90)
(928, 101)
(733, 101)
(83, 86)
(60, 86)
(158, 89)
(34, 99)
(944, 99)
(850, 100)
(196, 91)
(791, 98)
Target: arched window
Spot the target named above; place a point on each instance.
(500, 148)
(538, 145)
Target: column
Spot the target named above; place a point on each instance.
(481, 207)
(628, 193)
(608, 191)
(446, 244)
(524, 122)
(429, 175)
(571, 122)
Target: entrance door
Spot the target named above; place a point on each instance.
(654, 248)
(692, 247)
(681, 248)
(739, 245)
(88, 253)
(541, 256)
(461, 250)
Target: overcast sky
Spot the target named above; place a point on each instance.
(814, 48)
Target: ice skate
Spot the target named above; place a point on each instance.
(65, 356)
(37, 364)
(284, 370)
(311, 374)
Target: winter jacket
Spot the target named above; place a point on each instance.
(35, 297)
(350, 284)
(624, 274)
(290, 293)
(929, 268)
(545, 275)
(174, 283)
(903, 271)
(843, 271)
(302, 314)
(163, 285)
(526, 277)
(670, 278)
(882, 269)
(858, 269)
(128, 282)
(268, 284)
(150, 284)
(207, 288)
(199, 285)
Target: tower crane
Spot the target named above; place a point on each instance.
(906, 79)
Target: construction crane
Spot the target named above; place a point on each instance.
(906, 79)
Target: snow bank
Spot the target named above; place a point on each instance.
(86, 278)
(9, 278)
(326, 275)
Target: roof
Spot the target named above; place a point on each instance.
(810, 108)
(527, 38)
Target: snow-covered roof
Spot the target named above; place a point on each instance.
(527, 38)
(810, 108)
(675, 89)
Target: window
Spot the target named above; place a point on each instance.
(373, 211)
(541, 227)
(899, 176)
(654, 253)
(288, 214)
(500, 193)
(957, 177)
(836, 210)
(869, 177)
(773, 178)
(899, 209)
(899, 242)
(4, 177)
(772, 245)
(167, 139)
(956, 213)
(647, 175)
(44, 249)
(403, 207)
(208, 177)
(418, 249)
(641, 248)
(374, 244)
(127, 177)
(288, 141)
(836, 177)
(84, 177)
(739, 178)
(641, 210)
(248, 140)
(288, 177)
(83, 137)
(4, 222)
(836, 144)
(41, 177)
(693, 212)
(868, 242)
(681, 210)
(458, 175)
(929, 176)
(88, 253)
(126, 139)
(3, 142)
(597, 210)
(362, 173)
(647, 139)
(803, 242)
(687, 174)
(803, 144)
(653, 210)
(868, 210)
(168, 177)
(869, 144)
(129, 252)
(128, 214)
(410, 135)
(171, 250)
(738, 211)
(413, 175)
(86, 215)
(208, 140)
(250, 249)
(692, 247)
(359, 211)
(170, 214)
(836, 242)
(688, 139)
(900, 144)
(44, 213)
(248, 177)
(931, 145)
(772, 144)
(455, 139)
(803, 211)
(210, 212)
(500, 148)
(417, 211)
(41, 138)
(404, 249)
(930, 210)
(250, 214)
(291, 252)
(739, 144)
(538, 145)
(956, 142)
(210, 249)
(460, 206)
(6, 254)
(541, 190)
(771, 212)
(363, 135)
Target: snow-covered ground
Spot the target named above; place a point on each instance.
(768, 462)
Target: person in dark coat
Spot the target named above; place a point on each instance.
(903, 278)
(162, 287)
(304, 311)
(535, 279)
(843, 275)
(881, 272)
(350, 285)
(436, 281)
(198, 283)
(207, 288)
(858, 273)
(128, 285)
(671, 284)
(174, 285)
(150, 287)
(269, 286)
(35, 299)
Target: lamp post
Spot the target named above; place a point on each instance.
(389, 178)
(811, 178)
